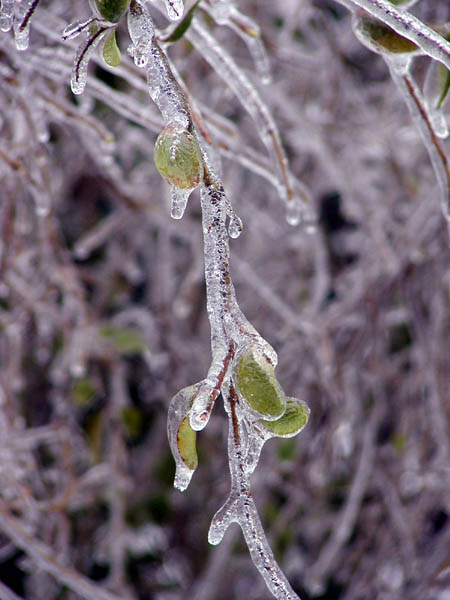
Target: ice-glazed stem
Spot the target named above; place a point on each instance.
(408, 26)
(240, 508)
(84, 53)
(226, 318)
(226, 68)
(162, 86)
(417, 108)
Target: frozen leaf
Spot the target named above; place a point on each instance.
(380, 38)
(181, 436)
(112, 10)
(291, 422)
(111, 52)
(83, 391)
(178, 157)
(186, 440)
(256, 382)
(125, 340)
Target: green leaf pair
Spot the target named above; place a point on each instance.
(256, 383)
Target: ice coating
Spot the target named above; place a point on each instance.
(179, 200)
(75, 28)
(6, 14)
(162, 86)
(432, 95)
(226, 13)
(416, 105)
(82, 57)
(410, 27)
(22, 26)
(247, 94)
(231, 334)
(179, 408)
(240, 508)
(174, 9)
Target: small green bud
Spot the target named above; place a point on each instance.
(112, 10)
(256, 382)
(186, 442)
(178, 157)
(293, 420)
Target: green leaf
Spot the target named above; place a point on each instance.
(443, 83)
(293, 420)
(183, 26)
(186, 442)
(112, 10)
(111, 52)
(385, 37)
(83, 391)
(255, 380)
(125, 340)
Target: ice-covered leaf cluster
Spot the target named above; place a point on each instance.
(104, 312)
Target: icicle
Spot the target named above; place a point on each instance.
(82, 57)
(179, 199)
(174, 9)
(6, 14)
(42, 201)
(293, 212)
(22, 26)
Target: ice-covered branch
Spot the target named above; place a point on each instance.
(408, 26)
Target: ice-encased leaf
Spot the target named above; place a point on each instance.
(291, 422)
(178, 157)
(186, 440)
(183, 449)
(111, 53)
(112, 10)
(255, 381)
(380, 38)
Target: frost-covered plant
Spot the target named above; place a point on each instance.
(187, 155)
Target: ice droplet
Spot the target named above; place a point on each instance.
(6, 14)
(178, 202)
(174, 9)
(235, 226)
(293, 212)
